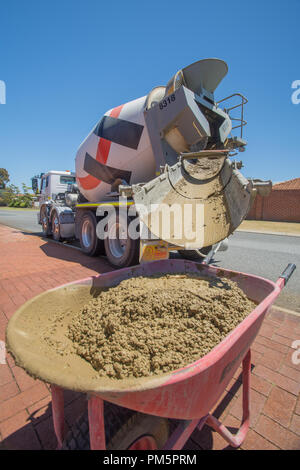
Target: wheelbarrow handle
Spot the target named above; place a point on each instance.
(286, 274)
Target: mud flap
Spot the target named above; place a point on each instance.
(153, 250)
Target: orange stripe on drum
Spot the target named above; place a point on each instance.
(90, 182)
(116, 111)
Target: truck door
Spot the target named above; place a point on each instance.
(44, 189)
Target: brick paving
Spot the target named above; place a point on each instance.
(30, 265)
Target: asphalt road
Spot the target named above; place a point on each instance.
(254, 253)
(267, 256)
(22, 219)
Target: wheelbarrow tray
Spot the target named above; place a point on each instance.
(186, 393)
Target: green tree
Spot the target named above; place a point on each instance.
(10, 194)
(26, 199)
(4, 178)
(12, 197)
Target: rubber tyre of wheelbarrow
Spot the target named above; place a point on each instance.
(122, 428)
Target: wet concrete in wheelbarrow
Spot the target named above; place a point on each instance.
(25, 403)
(153, 325)
(143, 327)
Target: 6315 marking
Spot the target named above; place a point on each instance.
(168, 100)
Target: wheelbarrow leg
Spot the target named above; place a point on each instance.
(182, 433)
(236, 441)
(96, 423)
(58, 413)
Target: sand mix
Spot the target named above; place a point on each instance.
(152, 325)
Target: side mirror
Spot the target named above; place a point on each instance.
(34, 185)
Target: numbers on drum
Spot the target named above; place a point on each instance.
(164, 103)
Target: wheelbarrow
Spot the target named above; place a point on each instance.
(186, 395)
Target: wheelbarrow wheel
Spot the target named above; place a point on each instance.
(140, 432)
(124, 429)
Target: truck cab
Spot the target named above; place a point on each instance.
(54, 183)
(57, 201)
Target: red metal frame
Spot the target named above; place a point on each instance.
(96, 423)
(236, 441)
(58, 413)
(186, 393)
(179, 436)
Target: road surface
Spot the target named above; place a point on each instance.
(266, 256)
(254, 253)
(22, 219)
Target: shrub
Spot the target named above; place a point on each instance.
(12, 197)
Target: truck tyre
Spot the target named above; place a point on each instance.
(89, 242)
(45, 222)
(195, 255)
(55, 227)
(121, 252)
(124, 429)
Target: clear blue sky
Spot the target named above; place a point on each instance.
(66, 62)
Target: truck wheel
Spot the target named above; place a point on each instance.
(45, 222)
(55, 227)
(120, 252)
(89, 242)
(195, 255)
(124, 429)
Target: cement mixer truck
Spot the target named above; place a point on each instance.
(161, 163)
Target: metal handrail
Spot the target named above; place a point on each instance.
(241, 119)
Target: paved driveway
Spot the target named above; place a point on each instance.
(30, 265)
(256, 253)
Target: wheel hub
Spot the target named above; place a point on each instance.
(55, 226)
(117, 239)
(86, 233)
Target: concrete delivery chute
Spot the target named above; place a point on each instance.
(168, 150)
